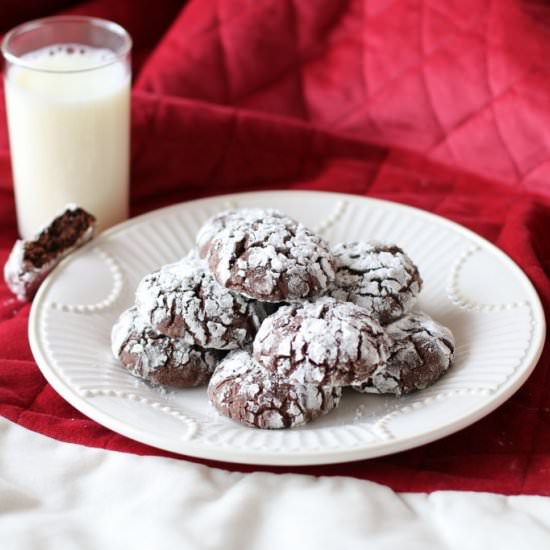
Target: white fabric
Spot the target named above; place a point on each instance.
(59, 496)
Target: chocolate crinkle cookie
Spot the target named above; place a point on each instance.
(157, 358)
(183, 300)
(212, 227)
(30, 261)
(243, 391)
(325, 343)
(379, 277)
(421, 352)
(270, 258)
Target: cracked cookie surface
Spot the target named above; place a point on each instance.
(157, 358)
(213, 226)
(379, 277)
(272, 258)
(183, 300)
(421, 351)
(244, 391)
(325, 342)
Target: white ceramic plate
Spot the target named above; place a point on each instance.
(469, 285)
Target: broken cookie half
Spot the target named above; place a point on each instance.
(30, 261)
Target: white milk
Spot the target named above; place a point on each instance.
(69, 135)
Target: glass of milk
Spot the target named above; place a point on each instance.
(67, 89)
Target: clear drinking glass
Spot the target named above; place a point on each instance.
(67, 87)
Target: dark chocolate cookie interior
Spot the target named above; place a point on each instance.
(62, 233)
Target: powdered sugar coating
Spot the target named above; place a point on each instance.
(213, 226)
(421, 352)
(325, 342)
(273, 259)
(379, 277)
(242, 390)
(160, 359)
(183, 300)
(23, 277)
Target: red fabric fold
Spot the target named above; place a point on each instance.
(438, 105)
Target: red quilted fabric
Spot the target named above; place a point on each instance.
(441, 105)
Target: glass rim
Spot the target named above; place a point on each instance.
(37, 23)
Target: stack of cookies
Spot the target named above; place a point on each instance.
(278, 324)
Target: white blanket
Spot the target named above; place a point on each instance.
(60, 496)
